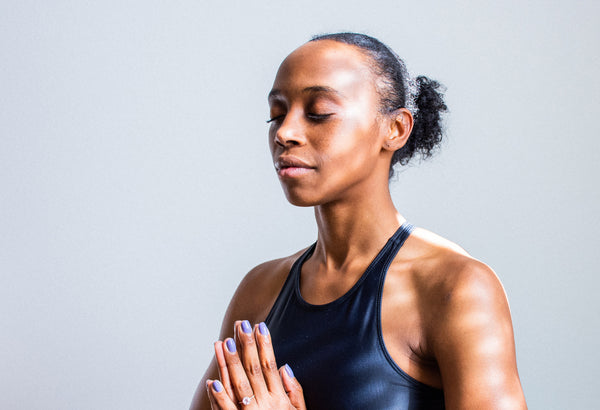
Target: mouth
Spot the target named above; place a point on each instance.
(288, 166)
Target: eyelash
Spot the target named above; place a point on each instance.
(270, 120)
(312, 117)
(318, 117)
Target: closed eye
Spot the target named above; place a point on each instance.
(318, 117)
(311, 116)
(277, 118)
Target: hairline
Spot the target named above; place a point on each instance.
(375, 69)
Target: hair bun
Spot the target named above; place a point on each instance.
(428, 127)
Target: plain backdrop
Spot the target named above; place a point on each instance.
(137, 188)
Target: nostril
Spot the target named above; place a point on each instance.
(286, 140)
(279, 141)
(288, 137)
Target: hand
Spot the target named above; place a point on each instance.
(250, 378)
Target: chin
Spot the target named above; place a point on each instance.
(299, 199)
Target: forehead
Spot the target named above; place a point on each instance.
(325, 63)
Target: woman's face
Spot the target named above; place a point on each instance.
(326, 133)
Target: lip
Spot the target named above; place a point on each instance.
(289, 166)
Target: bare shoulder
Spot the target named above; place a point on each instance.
(257, 292)
(453, 287)
(447, 273)
(467, 324)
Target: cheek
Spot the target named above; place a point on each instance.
(354, 141)
(271, 139)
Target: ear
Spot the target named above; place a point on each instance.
(400, 126)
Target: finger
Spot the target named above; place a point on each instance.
(237, 375)
(292, 387)
(223, 372)
(249, 356)
(267, 359)
(219, 400)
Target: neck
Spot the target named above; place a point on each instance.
(354, 229)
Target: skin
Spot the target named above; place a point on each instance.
(445, 316)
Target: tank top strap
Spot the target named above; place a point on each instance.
(377, 270)
(392, 247)
(288, 293)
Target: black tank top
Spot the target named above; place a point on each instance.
(337, 351)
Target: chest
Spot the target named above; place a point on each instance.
(338, 352)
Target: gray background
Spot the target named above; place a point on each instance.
(137, 187)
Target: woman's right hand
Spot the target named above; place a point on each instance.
(249, 377)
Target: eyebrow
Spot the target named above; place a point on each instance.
(310, 90)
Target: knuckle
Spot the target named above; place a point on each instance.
(253, 369)
(269, 365)
(298, 388)
(247, 341)
(233, 360)
(243, 386)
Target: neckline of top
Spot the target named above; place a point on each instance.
(297, 268)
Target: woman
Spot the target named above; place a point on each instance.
(376, 314)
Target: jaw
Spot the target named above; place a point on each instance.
(298, 195)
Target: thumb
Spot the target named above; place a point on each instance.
(292, 387)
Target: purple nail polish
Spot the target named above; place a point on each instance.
(246, 328)
(262, 328)
(217, 386)
(230, 344)
(288, 370)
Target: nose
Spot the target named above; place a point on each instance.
(290, 132)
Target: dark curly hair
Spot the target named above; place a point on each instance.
(426, 101)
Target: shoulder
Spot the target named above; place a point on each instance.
(467, 326)
(257, 292)
(446, 284)
(451, 284)
(447, 274)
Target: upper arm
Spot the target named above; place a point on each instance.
(474, 343)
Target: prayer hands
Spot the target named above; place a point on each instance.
(249, 377)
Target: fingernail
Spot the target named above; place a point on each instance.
(246, 328)
(288, 370)
(230, 343)
(217, 386)
(262, 328)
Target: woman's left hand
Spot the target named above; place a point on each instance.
(249, 377)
